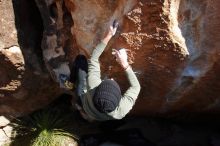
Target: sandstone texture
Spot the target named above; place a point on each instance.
(173, 47)
(25, 83)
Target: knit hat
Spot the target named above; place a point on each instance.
(107, 96)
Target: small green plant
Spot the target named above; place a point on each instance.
(43, 128)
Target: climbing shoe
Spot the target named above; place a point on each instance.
(79, 63)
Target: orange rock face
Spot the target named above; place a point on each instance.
(173, 47)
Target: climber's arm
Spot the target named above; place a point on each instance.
(130, 96)
(94, 73)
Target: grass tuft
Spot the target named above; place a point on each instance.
(43, 128)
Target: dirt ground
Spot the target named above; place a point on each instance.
(132, 131)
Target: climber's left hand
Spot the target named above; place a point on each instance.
(111, 32)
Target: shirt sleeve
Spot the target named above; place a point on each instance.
(129, 97)
(94, 74)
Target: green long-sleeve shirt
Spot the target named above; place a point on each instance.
(94, 79)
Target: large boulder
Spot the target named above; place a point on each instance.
(25, 83)
(173, 47)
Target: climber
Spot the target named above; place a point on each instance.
(102, 100)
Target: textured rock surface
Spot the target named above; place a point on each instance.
(173, 46)
(25, 84)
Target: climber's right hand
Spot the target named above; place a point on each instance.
(121, 57)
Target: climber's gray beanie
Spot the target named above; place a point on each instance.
(107, 96)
